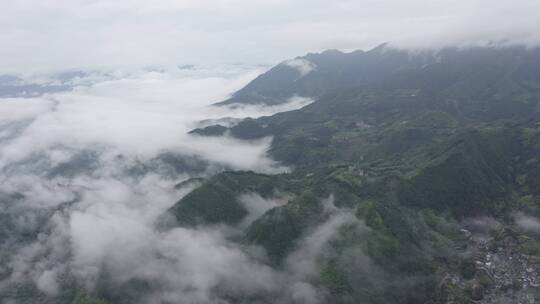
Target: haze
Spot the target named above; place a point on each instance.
(67, 34)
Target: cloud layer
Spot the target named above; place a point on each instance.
(64, 34)
(87, 175)
(137, 117)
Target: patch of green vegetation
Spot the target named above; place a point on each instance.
(278, 230)
(530, 247)
(535, 292)
(84, 298)
(334, 279)
(467, 268)
(473, 175)
(216, 201)
(484, 279)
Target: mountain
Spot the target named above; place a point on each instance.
(407, 107)
(450, 69)
(417, 146)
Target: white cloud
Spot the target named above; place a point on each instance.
(103, 219)
(303, 263)
(527, 223)
(256, 205)
(303, 66)
(139, 116)
(47, 283)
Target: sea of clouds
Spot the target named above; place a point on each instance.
(87, 173)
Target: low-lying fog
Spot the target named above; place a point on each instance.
(86, 172)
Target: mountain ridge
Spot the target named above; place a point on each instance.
(448, 142)
(332, 70)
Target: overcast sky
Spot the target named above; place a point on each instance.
(64, 34)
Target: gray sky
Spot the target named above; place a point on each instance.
(63, 34)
